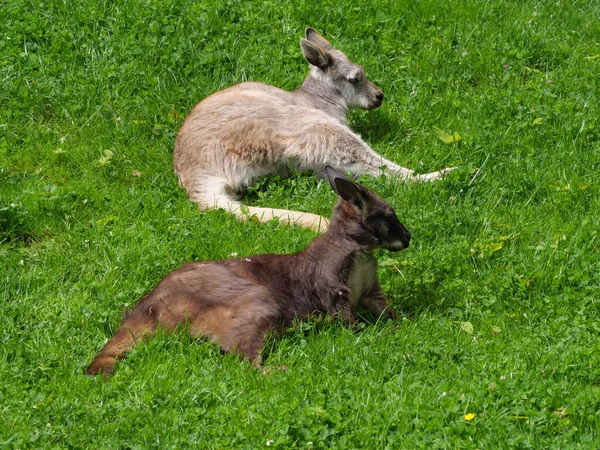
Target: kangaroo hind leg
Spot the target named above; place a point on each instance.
(254, 318)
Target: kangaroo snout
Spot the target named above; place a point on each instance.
(406, 240)
(402, 244)
(399, 239)
(377, 100)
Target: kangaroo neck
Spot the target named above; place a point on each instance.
(320, 93)
(330, 250)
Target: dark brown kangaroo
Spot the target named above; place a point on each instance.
(237, 302)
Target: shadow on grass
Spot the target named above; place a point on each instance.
(416, 301)
(374, 126)
(14, 230)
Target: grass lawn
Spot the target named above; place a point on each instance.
(498, 345)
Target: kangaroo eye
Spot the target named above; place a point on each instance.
(354, 75)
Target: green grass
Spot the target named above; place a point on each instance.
(499, 292)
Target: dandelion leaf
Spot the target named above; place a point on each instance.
(447, 138)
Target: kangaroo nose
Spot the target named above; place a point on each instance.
(380, 96)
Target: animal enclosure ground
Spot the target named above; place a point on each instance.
(499, 293)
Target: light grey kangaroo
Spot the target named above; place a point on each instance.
(240, 133)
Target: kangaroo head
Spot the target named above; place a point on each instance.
(365, 216)
(335, 69)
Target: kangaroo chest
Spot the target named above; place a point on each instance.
(362, 277)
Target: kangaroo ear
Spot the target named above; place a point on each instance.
(313, 36)
(331, 174)
(315, 54)
(350, 191)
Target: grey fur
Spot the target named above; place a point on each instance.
(251, 129)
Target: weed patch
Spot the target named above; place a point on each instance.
(498, 341)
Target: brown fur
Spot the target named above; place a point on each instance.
(236, 302)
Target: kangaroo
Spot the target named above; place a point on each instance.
(251, 129)
(236, 302)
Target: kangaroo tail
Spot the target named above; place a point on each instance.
(306, 220)
(126, 337)
(215, 192)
